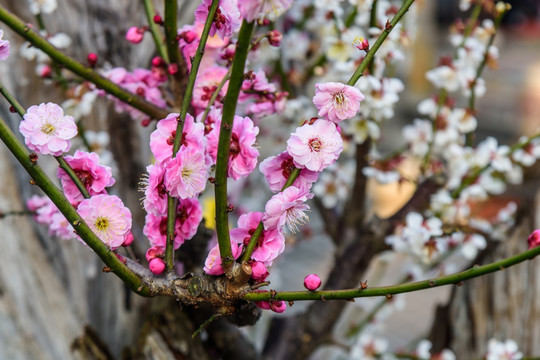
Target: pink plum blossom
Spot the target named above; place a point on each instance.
(36, 202)
(226, 20)
(142, 82)
(258, 271)
(534, 239)
(46, 130)
(162, 139)
(270, 244)
(277, 169)
(206, 84)
(212, 264)
(108, 218)
(337, 101)
(242, 154)
(135, 35)
(60, 227)
(185, 175)
(316, 146)
(312, 282)
(189, 38)
(263, 9)
(128, 240)
(157, 266)
(46, 213)
(94, 176)
(277, 306)
(155, 194)
(287, 208)
(189, 216)
(213, 117)
(267, 100)
(4, 46)
(154, 252)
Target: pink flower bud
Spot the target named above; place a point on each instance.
(92, 59)
(312, 282)
(534, 239)
(274, 37)
(157, 266)
(121, 258)
(145, 122)
(158, 19)
(172, 69)
(128, 240)
(263, 305)
(277, 306)
(135, 35)
(259, 272)
(158, 61)
(188, 36)
(45, 71)
(153, 252)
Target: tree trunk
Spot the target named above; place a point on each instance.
(503, 305)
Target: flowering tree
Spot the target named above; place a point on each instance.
(276, 95)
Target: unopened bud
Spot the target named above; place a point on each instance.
(158, 61)
(135, 34)
(158, 19)
(92, 59)
(312, 282)
(274, 37)
(157, 266)
(172, 69)
(534, 239)
(128, 240)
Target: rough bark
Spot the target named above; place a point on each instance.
(503, 305)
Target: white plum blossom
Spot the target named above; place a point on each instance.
(382, 176)
(381, 96)
(368, 348)
(418, 136)
(423, 352)
(498, 350)
(334, 184)
(444, 77)
(528, 154)
(42, 6)
(463, 120)
(419, 238)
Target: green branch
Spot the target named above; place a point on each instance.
(86, 73)
(371, 53)
(171, 32)
(482, 65)
(58, 198)
(456, 278)
(172, 203)
(154, 30)
(222, 164)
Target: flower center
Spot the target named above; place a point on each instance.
(234, 150)
(186, 173)
(315, 144)
(102, 223)
(48, 128)
(85, 177)
(287, 167)
(339, 99)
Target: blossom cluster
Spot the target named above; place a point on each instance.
(330, 122)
